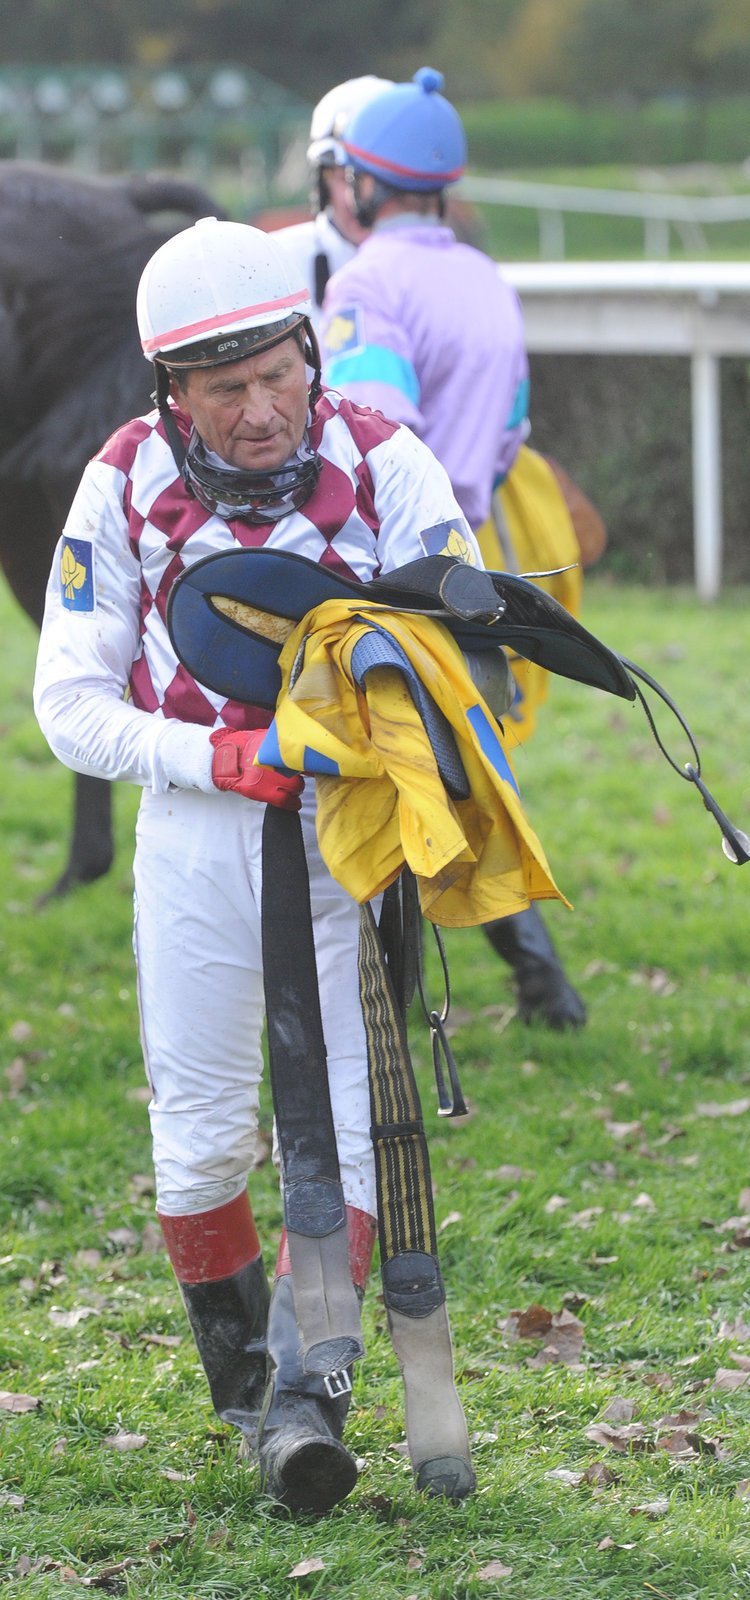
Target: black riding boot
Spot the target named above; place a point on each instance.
(543, 991)
(303, 1463)
(228, 1319)
(223, 1283)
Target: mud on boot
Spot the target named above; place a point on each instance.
(303, 1463)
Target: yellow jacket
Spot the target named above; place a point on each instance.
(533, 510)
(475, 859)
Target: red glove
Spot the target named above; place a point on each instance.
(232, 768)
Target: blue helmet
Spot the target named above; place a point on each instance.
(409, 136)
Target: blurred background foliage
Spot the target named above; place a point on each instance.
(585, 51)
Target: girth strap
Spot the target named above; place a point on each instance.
(413, 1288)
(314, 1212)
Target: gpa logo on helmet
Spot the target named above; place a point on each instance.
(228, 344)
(77, 575)
(449, 539)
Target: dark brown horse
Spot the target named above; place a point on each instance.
(71, 252)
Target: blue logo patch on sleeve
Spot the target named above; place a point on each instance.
(77, 574)
(449, 539)
(344, 332)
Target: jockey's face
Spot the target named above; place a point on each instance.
(252, 412)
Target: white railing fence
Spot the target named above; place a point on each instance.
(700, 310)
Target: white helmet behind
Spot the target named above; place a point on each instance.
(215, 292)
(333, 112)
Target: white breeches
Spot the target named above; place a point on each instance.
(197, 944)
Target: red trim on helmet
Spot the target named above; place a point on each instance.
(157, 341)
(403, 172)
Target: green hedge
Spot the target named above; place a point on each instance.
(538, 133)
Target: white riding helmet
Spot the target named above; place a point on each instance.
(333, 112)
(215, 292)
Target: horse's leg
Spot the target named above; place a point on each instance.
(28, 535)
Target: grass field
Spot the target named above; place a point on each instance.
(604, 1175)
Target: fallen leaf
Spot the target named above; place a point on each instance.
(14, 1502)
(447, 1222)
(87, 1258)
(683, 1442)
(618, 1410)
(728, 1378)
(623, 1130)
(414, 1564)
(564, 1475)
(742, 1490)
(17, 1402)
(510, 1174)
(71, 1319)
(303, 1568)
(20, 1032)
(738, 1329)
(122, 1238)
(530, 1323)
(632, 1436)
(169, 1341)
(584, 1219)
(16, 1077)
(555, 1203)
(643, 1202)
(600, 1475)
(126, 1441)
(611, 1544)
(651, 1508)
(681, 1419)
(493, 1569)
(729, 1108)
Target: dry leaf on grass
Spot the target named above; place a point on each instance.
(126, 1441)
(493, 1569)
(565, 1475)
(632, 1436)
(608, 1543)
(13, 1502)
(728, 1378)
(618, 1410)
(651, 1508)
(736, 1329)
(18, 1402)
(71, 1319)
(742, 1490)
(561, 1331)
(623, 1130)
(303, 1568)
(729, 1108)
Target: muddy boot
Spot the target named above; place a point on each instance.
(303, 1463)
(543, 991)
(223, 1283)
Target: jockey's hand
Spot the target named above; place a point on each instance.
(232, 768)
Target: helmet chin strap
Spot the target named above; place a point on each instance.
(226, 492)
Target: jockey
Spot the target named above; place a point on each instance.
(316, 249)
(426, 330)
(243, 450)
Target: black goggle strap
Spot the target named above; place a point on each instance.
(735, 843)
(174, 437)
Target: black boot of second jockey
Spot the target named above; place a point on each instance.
(217, 1260)
(303, 1463)
(543, 991)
